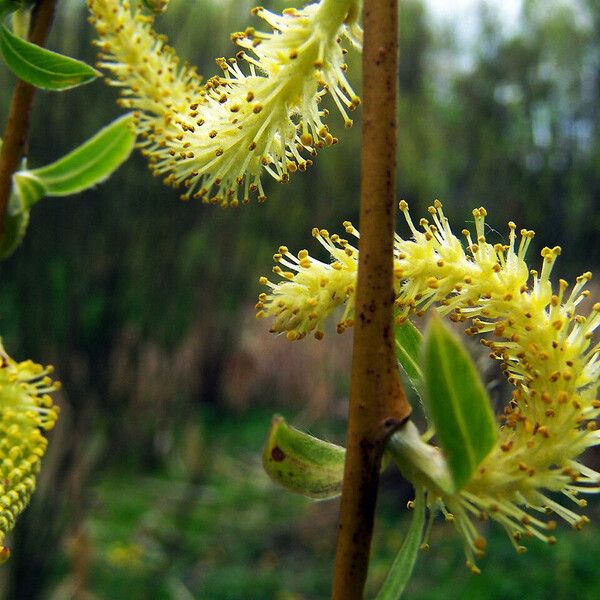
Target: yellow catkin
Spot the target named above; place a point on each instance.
(533, 328)
(26, 410)
(262, 113)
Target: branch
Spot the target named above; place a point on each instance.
(17, 125)
(378, 404)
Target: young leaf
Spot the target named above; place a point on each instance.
(28, 187)
(302, 463)
(408, 353)
(7, 7)
(87, 165)
(420, 462)
(15, 226)
(40, 67)
(21, 21)
(457, 402)
(404, 563)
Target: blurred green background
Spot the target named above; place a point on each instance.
(152, 486)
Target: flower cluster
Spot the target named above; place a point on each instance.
(217, 139)
(26, 410)
(545, 346)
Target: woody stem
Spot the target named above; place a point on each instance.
(17, 125)
(378, 403)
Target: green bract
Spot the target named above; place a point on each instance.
(302, 463)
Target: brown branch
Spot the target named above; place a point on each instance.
(17, 125)
(377, 400)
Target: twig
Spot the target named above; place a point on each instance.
(378, 404)
(17, 125)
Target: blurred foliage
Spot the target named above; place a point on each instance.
(144, 304)
(230, 535)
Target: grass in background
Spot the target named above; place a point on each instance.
(208, 524)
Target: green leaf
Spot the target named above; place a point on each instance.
(15, 226)
(302, 463)
(404, 563)
(8, 6)
(40, 67)
(408, 353)
(87, 165)
(29, 188)
(457, 402)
